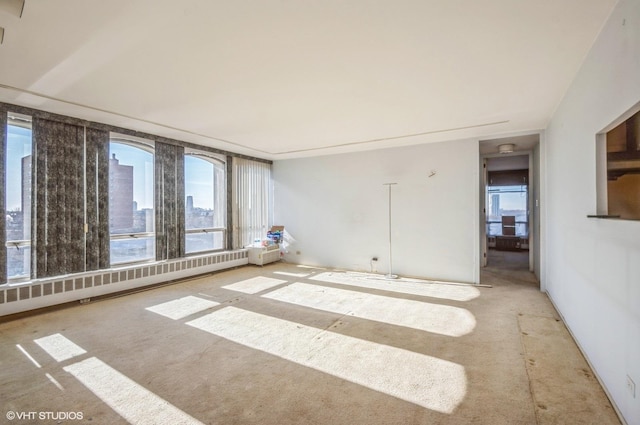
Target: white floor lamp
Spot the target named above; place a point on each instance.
(390, 275)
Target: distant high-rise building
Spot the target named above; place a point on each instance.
(120, 195)
(495, 205)
(189, 219)
(189, 204)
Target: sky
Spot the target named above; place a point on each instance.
(142, 162)
(198, 176)
(513, 201)
(18, 146)
(510, 200)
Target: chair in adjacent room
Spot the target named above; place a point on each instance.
(508, 225)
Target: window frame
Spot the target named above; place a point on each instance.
(214, 160)
(602, 167)
(524, 189)
(12, 117)
(149, 147)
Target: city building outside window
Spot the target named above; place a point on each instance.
(18, 196)
(131, 201)
(507, 201)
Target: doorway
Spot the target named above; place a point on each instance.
(509, 193)
(507, 212)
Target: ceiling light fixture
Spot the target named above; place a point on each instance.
(506, 148)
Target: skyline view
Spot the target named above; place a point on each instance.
(505, 201)
(133, 197)
(142, 162)
(18, 147)
(17, 221)
(199, 176)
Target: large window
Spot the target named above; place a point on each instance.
(252, 201)
(205, 201)
(18, 196)
(509, 201)
(79, 197)
(131, 201)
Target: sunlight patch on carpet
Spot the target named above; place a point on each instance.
(426, 288)
(182, 307)
(435, 318)
(255, 284)
(59, 347)
(130, 400)
(430, 382)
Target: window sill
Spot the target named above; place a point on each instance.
(612, 217)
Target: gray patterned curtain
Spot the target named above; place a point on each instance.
(230, 227)
(169, 201)
(3, 223)
(57, 237)
(97, 171)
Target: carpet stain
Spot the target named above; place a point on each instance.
(561, 380)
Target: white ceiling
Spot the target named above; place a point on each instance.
(281, 79)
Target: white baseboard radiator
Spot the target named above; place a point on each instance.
(39, 293)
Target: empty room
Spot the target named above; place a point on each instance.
(320, 212)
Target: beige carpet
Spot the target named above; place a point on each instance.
(557, 371)
(286, 344)
(508, 260)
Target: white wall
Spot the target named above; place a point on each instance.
(593, 265)
(535, 211)
(507, 163)
(336, 208)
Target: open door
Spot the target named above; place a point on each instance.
(483, 214)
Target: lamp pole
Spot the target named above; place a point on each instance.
(390, 275)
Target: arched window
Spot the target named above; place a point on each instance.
(131, 201)
(205, 203)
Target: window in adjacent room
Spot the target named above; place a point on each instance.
(18, 196)
(131, 201)
(205, 203)
(509, 201)
(622, 170)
